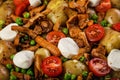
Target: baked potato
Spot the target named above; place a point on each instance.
(1, 1)
(6, 9)
(111, 40)
(4, 73)
(57, 13)
(6, 49)
(74, 67)
(113, 15)
(115, 3)
(43, 52)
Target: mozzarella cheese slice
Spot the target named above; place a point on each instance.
(35, 3)
(8, 34)
(68, 47)
(94, 3)
(114, 59)
(23, 59)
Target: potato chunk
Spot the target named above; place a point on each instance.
(57, 13)
(111, 40)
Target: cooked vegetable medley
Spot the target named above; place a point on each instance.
(60, 40)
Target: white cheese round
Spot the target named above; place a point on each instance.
(23, 59)
(7, 33)
(35, 3)
(114, 59)
(68, 47)
(94, 3)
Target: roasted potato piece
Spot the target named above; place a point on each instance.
(113, 16)
(6, 9)
(115, 3)
(4, 73)
(111, 40)
(1, 1)
(74, 67)
(57, 13)
(43, 52)
(6, 49)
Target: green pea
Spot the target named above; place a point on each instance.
(73, 77)
(65, 30)
(9, 66)
(84, 73)
(17, 69)
(23, 71)
(22, 40)
(63, 59)
(94, 17)
(104, 23)
(12, 56)
(26, 37)
(82, 58)
(67, 76)
(95, 21)
(2, 22)
(32, 42)
(26, 15)
(30, 72)
(13, 77)
(19, 21)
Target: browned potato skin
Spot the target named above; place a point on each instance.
(57, 14)
(115, 3)
(115, 74)
(6, 8)
(4, 73)
(114, 14)
(111, 40)
(74, 67)
(1, 1)
(6, 49)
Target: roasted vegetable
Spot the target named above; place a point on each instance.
(6, 49)
(1, 1)
(116, 3)
(6, 9)
(4, 73)
(43, 52)
(113, 16)
(111, 40)
(115, 74)
(74, 67)
(57, 13)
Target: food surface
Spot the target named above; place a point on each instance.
(6, 8)
(59, 40)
